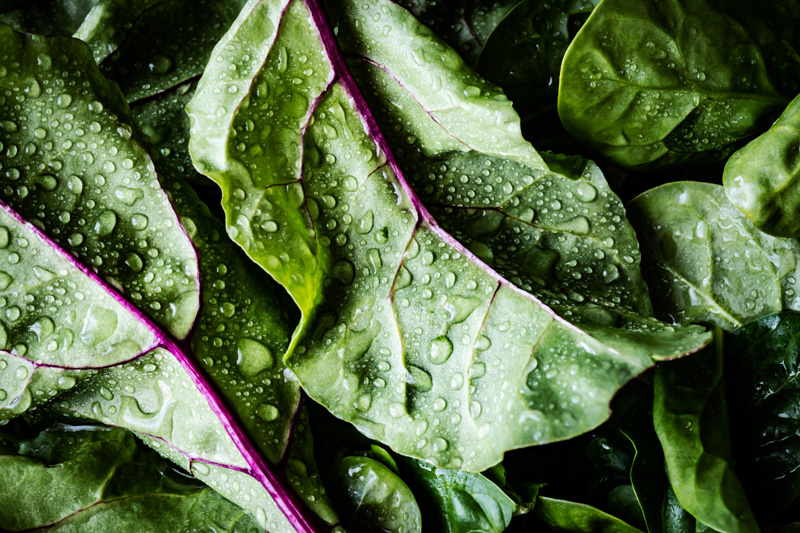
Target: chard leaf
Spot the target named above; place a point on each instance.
(91, 478)
(562, 515)
(405, 332)
(761, 179)
(373, 498)
(524, 52)
(168, 44)
(73, 322)
(691, 420)
(707, 262)
(763, 366)
(648, 83)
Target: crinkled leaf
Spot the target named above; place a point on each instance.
(89, 478)
(650, 82)
(707, 262)
(48, 17)
(575, 517)
(168, 44)
(463, 25)
(72, 334)
(523, 54)
(373, 498)
(763, 178)
(691, 420)
(405, 332)
(762, 368)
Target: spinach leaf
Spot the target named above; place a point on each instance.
(524, 52)
(48, 17)
(110, 247)
(373, 498)
(761, 179)
(463, 25)
(762, 360)
(706, 261)
(405, 332)
(654, 83)
(562, 515)
(690, 418)
(94, 478)
(108, 22)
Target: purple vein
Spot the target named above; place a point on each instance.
(283, 497)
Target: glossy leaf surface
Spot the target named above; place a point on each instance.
(693, 429)
(374, 498)
(81, 337)
(49, 17)
(763, 178)
(405, 332)
(649, 83)
(763, 367)
(90, 478)
(707, 262)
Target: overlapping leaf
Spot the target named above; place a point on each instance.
(80, 478)
(405, 332)
(81, 336)
(706, 261)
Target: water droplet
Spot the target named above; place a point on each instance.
(134, 262)
(267, 412)
(253, 357)
(5, 280)
(21, 373)
(366, 222)
(127, 195)
(364, 401)
(139, 222)
(76, 239)
(5, 237)
(440, 350)
(439, 444)
(75, 185)
(439, 404)
(105, 223)
(64, 100)
(42, 274)
(457, 381)
(586, 191)
(419, 378)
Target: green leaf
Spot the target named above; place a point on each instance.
(454, 501)
(691, 420)
(761, 179)
(168, 44)
(763, 366)
(47, 17)
(220, 403)
(463, 25)
(405, 332)
(707, 262)
(648, 83)
(164, 120)
(90, 478)
(524, 52)
(373, 498)
(578, 517)
(108, 22)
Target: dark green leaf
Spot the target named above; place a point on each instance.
(763, 366)
(47, 17)
(523, 54)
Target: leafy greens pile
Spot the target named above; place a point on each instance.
(403, 316)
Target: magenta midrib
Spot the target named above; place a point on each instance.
(258, 468)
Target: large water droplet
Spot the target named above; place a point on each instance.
(440, 350)
(253, 357)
